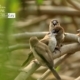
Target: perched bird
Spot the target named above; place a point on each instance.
(78, 35)
(50, 38)
(42, 53)
(55, 27)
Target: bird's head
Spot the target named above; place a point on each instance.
(33, 40)
(53, 23)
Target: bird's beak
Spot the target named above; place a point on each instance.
(54, 22)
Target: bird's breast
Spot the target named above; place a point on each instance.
(52, 43)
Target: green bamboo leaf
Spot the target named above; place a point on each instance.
(6, 29)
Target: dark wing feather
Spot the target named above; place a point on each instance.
(45, 54)
(43, 51)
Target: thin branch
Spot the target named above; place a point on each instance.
(75, 4)
(27, 71)
(69, 37)
(27, 23)
(28, 35)
(56, 65)
(52, 10)
(21, 24)
(18, 46)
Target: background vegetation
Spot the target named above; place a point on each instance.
(34, 16)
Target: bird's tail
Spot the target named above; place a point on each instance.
(55, 73)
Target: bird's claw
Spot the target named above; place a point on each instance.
(57, 49)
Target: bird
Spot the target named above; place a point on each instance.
(55, 36)
(78, 35)
(42, 53)
(50, 39)
(55, 27)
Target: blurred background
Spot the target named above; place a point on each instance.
(34, 16)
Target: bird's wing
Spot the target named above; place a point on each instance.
(45, 39)
(43, 51)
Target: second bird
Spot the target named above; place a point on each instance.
(56, 28)
(42, 53)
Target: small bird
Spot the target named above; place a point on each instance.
(55, 27)
(42, 53)
(50, 38)
(78, 35)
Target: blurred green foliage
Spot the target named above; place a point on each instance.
(6, 29)
(39, 2)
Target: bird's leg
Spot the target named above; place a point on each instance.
(57, 48)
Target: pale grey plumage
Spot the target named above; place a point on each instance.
(52, 42)
(55, 26)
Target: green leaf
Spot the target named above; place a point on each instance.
(39, 2)
(58, 68)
